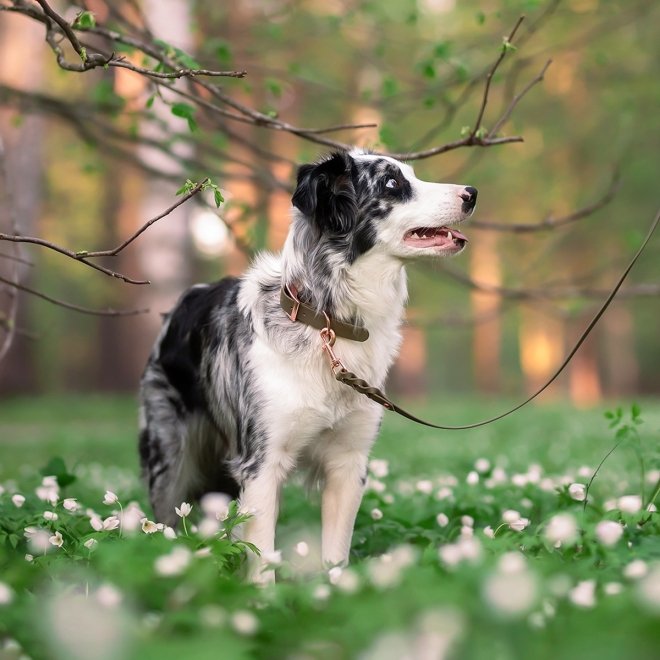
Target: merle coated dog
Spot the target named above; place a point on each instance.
(236, 395)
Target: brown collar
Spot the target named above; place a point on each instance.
(299, 311)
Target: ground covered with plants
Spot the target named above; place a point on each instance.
(535, 537)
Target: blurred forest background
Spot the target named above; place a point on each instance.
(89, 156)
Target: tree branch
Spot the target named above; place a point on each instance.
(67, 305)
(83, 255)
(550, 222)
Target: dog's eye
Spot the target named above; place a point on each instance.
(392, 183)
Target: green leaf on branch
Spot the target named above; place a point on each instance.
(187, 112)
(186, 188)
(507, 46)
(217, 195)
(84, 21)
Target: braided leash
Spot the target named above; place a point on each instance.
(349, 378)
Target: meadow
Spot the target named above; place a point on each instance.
(523, 539)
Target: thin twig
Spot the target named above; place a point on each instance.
(517, 98)
(491, 73)
(550, 222)
(75, 308)
(83, 255)
(115, 251)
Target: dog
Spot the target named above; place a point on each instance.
(238, 393)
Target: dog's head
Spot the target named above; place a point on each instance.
(359, 202)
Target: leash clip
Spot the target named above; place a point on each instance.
(328, 337)
(293, 315)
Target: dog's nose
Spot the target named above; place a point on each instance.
(469, 197)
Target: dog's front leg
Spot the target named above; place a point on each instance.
(260, 498)
(342, 494)
(345, 470)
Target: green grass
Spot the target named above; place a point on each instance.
(111, 602)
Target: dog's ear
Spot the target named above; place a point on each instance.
(326, 195)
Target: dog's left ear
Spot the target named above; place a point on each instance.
(326, 195)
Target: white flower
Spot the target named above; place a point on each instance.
(49, 490)
(482, 465)
(379, 468)
(110, 497)
(467, 521)
(184, 510)
(511, 594)
(466, 530)
(108, 596)
(302, 549)
(510, 515)
(18, 500)
(648, 590)
(519, 525)
(520, 480)
(130, 517)
(489, 532)
(512, 562)
(424, 486)
(442, 519)
(56, 540)
(450, 554)
(636, 569)
(50, 515)
(215, 505)
(613, 588)
(321, 592)
(466, 548)
(6, 594)
(629, 503)
(578, 492)
(203, 552)
(208, 527)
(244, 622)
(348, 581)
(148, 526)
(110, 523)
(561, 529)
(609, 532)
(173, 563)
(169, 533)
(90, 543)
(70, 504)
(583, 594)
(96, 523)
(375, 485)
(29, 557)
(444, 493)
(472, 479)
(376, 514)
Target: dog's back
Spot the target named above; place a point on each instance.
(185, 436)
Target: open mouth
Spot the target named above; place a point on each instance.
(435, 237)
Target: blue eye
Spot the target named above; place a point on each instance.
(392, 183)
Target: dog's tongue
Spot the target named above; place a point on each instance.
(457, 234)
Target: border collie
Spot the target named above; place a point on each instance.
(236, 394)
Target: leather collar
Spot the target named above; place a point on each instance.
(298, 311)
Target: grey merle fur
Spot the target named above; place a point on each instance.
(201, 427)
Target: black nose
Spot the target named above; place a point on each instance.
(469, 197)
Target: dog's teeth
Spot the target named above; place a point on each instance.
(414, 235)
(450, 236)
